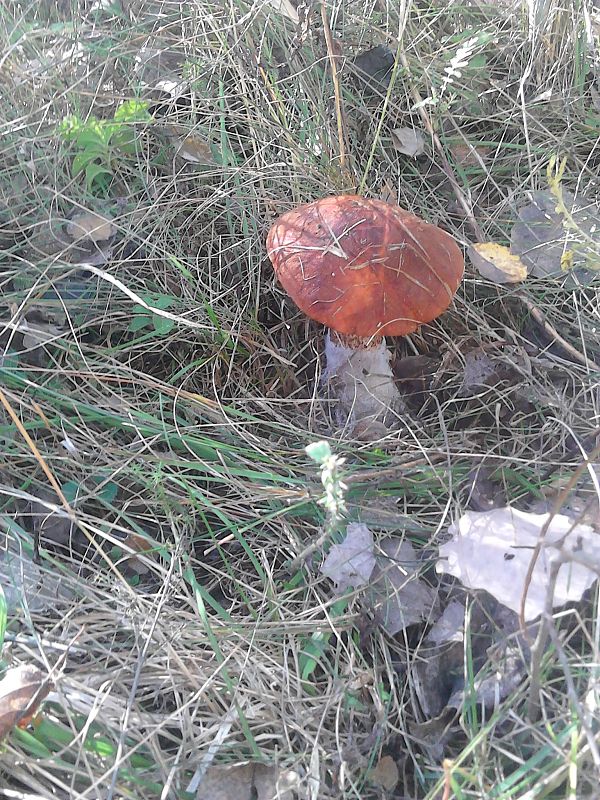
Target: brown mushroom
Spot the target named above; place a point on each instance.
(366, 269)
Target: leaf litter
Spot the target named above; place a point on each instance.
(350, 564)
(29, 585)
(22, 690)
(408, 141)
(372, 69)
(187, 144)
(248, 782)
(385, 773)
(496, 263)
(397, 596)
(498, 652)
(394, 592)
(84, 237)
(543, 239)
(492, 550)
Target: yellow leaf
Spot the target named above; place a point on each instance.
(497, 263)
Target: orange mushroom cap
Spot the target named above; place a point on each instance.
(364, 267)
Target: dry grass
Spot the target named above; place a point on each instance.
(191, 435)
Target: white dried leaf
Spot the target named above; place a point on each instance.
(398, 596)
(492, 550)
(408, 141)
(30, 585)
(449, 627)
(350, 564)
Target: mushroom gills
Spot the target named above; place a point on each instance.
(362, 382)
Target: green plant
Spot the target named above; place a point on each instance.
(584, 243)
(99, 142)
(157, 325)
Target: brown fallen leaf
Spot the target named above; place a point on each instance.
(90, 225)
(469, 155)
(496, 263)
(188, 144)
(138, 544)
(385, 773)
(85, 237)
(21, 691)
(408, 141)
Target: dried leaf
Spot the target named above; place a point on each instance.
(504, 672)
(485, 492)
(350, 564)
(469, 155)
(52, 526)
(271, 783)
(247, 782)
(398, 596)
(228, 783)
(373, 69)
(21, 691)
(156, 64)
(449, 627)
(385, 773)
(478, 369)
(286, 8)
(496, 263)
(435, 733)
(498, 654)
(30, 585)
(188, 145)
(540, 238)
(492, 550)
(89, 236)
(408, 141)
(91, 226)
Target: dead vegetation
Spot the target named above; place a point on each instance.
(158, 390)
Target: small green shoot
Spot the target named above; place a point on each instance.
(144, 319)
(99, 142)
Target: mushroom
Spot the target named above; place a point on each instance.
(366, 269)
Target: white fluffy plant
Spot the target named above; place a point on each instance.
(333, 500)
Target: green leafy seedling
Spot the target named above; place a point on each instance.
(99, 142)
(159, 326)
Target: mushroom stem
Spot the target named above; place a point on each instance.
(359, 376)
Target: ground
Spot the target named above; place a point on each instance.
(158, 391)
